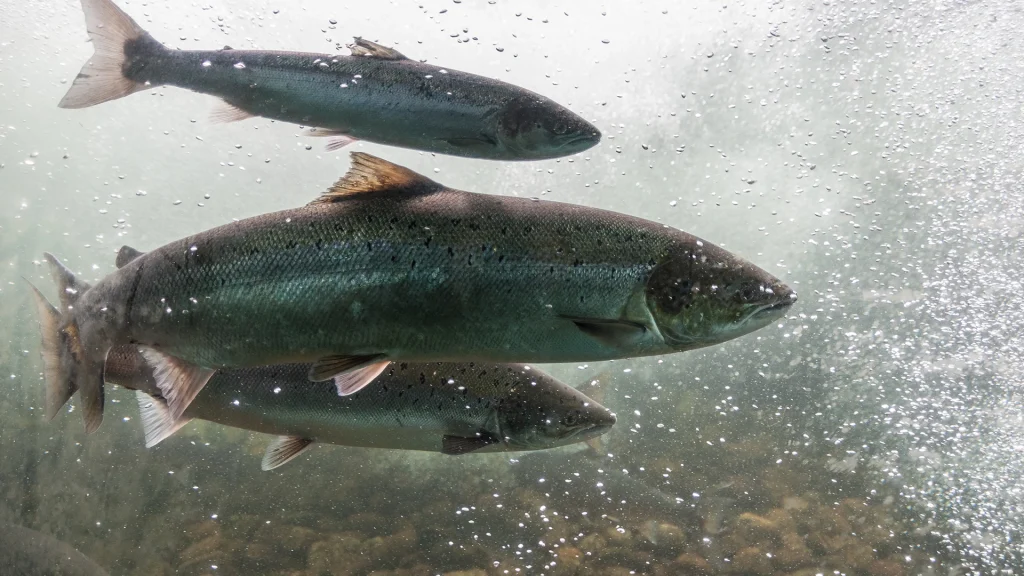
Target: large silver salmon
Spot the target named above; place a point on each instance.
(376, 94)
(437, 407)
(391, 266)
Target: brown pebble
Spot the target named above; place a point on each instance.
(690, 564)
(886, 568)
(751, 560)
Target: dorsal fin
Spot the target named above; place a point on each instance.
(125, 255)
(363, 47)
(371, 174)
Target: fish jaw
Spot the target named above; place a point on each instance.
(547, 414)
(700, 295)
(536, 128)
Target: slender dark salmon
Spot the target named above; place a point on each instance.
(453, 408)
(376, 94)
(391, 266)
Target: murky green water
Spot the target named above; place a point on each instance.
(865, 152)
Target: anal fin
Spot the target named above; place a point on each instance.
(178, 380)
(225, 112)
(283, 450)
(350, 373)
(338, 138)
(456, 445)
(157, 422)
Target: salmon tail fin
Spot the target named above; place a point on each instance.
(118, 42)
(60, 383)
(157, 422)
(69, 367)
(69, 288)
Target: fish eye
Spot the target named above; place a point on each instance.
(560, 128)
(571, 419)
(749, 292)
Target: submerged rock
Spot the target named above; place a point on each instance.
(793, 553)
(690, 564)
(756, 530)
(337, 554)
(751, 560)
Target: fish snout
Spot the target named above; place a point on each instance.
(778, 298)
(783, 296)
(600, 422)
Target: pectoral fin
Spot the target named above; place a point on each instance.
(179, 381)
(466, 143)
(157, 422)
(283, 449)
(350, 373)
(613, 333)
(456, 445)
(225, 112)
(338, 138)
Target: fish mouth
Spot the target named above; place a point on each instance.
(593, 431)
(778, 307)
(583, 141)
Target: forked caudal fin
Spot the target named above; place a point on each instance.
(60, 386)
(69, 364)
(118, 42)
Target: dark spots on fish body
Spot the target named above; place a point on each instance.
(451, 253)
(369, 247)
(413, 266)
